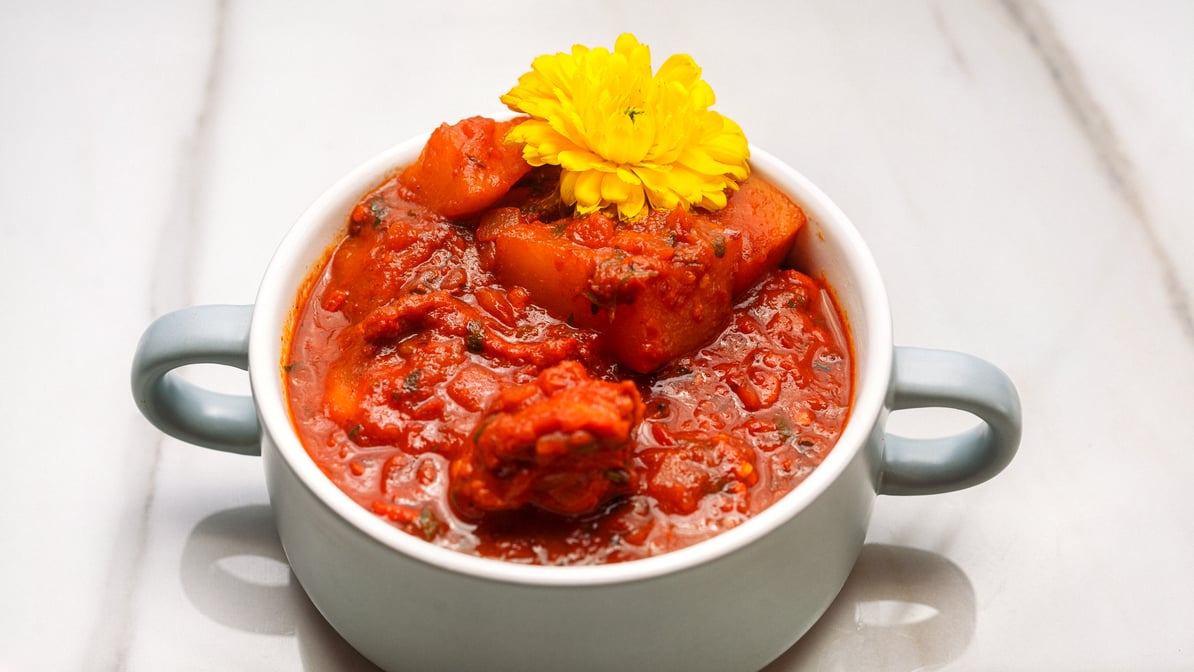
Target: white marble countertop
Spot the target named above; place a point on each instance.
(1022, 171)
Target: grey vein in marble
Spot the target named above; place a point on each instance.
(1065, 72)
(947, 35)
(172, 288)
(173, 275)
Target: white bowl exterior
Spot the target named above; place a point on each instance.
(735, 612)
(733, 602)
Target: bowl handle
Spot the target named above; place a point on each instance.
(941, 378)
(213, 334)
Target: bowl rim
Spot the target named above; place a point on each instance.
(325, 220)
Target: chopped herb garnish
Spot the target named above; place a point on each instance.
(475, 339)
(798, 301)
(586, 448)
(784, 428)
(633, 272)
(428, 523)
(481, 427)
(379, 210)
(617, 476)
(411, 383)
(558, 229)
(595, 302)
(355, 431)
(719, 246)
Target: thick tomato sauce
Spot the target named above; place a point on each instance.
(452, 404)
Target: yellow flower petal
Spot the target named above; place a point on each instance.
(625, 136)
(587, 191)
(614, 189)
(632, 206)
(568, 187)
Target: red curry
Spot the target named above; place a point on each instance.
(495, 374)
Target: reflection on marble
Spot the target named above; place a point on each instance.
(901, 609)
(234, 572)
(1020, 169)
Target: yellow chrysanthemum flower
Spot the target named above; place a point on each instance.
(625, 136)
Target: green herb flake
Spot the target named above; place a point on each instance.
(379, 210)
(595, 302)
(411, 383)
(634, 273)
(482, 426)
(719, 246)
(784, 427)
(617, 476)
(355, 431)
(429, 524)
(475, 337)
(586, 448)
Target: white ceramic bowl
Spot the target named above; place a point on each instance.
(733, 602)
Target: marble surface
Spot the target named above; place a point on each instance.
(1022, 171)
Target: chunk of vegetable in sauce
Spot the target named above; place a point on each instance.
(465, 167)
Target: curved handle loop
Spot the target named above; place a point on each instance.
(941, 378)
(197, 335)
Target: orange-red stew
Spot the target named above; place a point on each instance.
(494, 374)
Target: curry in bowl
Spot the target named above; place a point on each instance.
(494, 371)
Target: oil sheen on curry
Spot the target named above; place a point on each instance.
(491, 372)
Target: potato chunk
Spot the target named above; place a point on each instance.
(466, 167)
(654, 289)
(768, 222)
